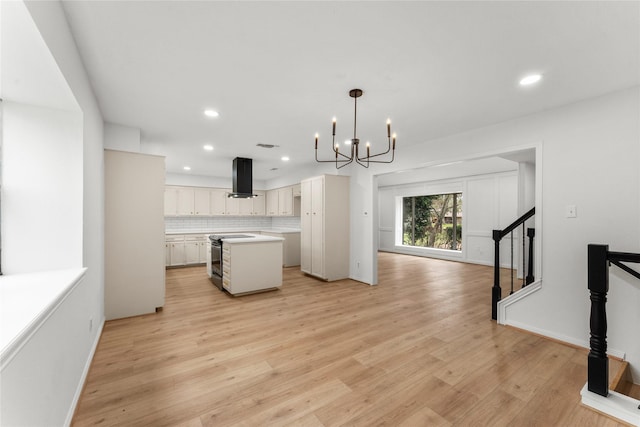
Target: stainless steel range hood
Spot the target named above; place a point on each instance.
(242, 178)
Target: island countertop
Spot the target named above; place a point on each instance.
(255, 238)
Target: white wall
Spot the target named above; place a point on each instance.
(87, 306)
(42, 189)
(489, 203)
(122, 138)
(589, 153)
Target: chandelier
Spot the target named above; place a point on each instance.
(341, 160)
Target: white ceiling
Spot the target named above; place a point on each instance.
(279, 71)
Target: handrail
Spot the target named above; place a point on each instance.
(598, 259)
(498, 235)
(517, 222)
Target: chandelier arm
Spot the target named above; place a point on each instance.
(384, 161)
(331, 161)
(380, 154)
(341, 166)
(361, 163)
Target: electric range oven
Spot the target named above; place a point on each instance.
(216, 241)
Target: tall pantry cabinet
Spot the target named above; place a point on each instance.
(134, 258)
(325, 227)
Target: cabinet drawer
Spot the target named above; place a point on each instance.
(194, 238)
(176, 238)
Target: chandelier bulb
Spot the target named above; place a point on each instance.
(388, 128)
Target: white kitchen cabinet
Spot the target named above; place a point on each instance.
(134, 231)
(218, 199)
(290, 247)
(285, 201)
(178, 256)
(170, 201)
(272, 203)
(239, 207)
(325, 227)
(245, 206)
(251, 267)
(167, 254)
(202, 251)
(297, 190)
(185, 201)
(201, 201)
(189, 249)
(259, 207)
(191, 252)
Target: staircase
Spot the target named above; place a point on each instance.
(498, 235)
(620, 398)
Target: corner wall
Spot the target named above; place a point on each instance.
(590, 154)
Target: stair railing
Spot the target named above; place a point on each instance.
(498, 235)
(598, 259)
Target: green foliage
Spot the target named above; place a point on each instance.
(425, 219)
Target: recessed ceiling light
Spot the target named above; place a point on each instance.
(187, 168)
(211, 113)
(530, 79)
(208, 147)
(284, 158)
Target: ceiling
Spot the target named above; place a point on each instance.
(277, 72)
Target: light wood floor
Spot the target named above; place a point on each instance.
(419, 349)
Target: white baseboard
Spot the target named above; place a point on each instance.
(83, 378)
(617, 405)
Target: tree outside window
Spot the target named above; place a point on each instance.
(433, 221)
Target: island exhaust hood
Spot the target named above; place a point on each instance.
(242, 178)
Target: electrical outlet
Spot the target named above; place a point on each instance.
(571, 212)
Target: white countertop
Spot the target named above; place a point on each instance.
(233, 230)
(255, 238)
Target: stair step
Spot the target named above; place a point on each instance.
(623, 383)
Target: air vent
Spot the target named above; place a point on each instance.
(273, 169)
(267, 145)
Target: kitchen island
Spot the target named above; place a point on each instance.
(251, 264)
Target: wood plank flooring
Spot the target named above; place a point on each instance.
(419, 349)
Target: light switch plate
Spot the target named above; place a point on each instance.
(571, 212)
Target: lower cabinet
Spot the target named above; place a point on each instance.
(290, 247)
(251, 267)
(185, 250)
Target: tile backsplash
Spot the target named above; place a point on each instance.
(229, 222)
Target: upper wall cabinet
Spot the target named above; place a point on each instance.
(170, 201)
(283, 201)
(218, 201)
(201, 201)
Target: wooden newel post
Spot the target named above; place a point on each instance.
(496, 292)
(531, 233)
(598, 283)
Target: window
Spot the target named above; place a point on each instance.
(430, 221)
